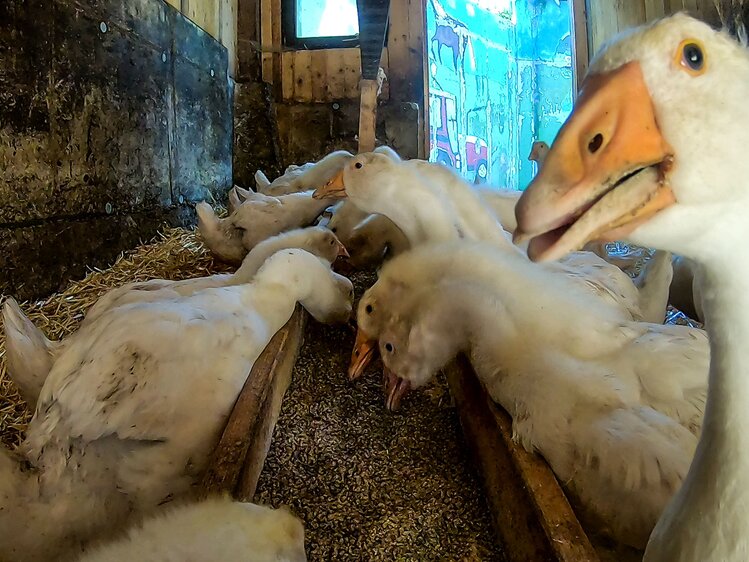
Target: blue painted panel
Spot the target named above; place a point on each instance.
(500, 77)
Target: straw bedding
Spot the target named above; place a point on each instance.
(174, 254)
(369, 485)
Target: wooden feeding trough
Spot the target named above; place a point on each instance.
(240, 453)
(529, 509)
(532, 516)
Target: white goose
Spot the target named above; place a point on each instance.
(428, 202)
(312, 174)
(214, 530)
(303, 178)
(115, 433)
(428, 262)
(654, 151)
(374, 240)
(615, 406)
(30, 354)
(254, 220)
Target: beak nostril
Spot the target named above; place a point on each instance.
(595, 143)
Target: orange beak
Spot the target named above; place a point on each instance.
(362, 354)
(334, 189)
(342, 251)
(395, 389)
(606, 171)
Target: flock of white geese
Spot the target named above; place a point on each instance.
(640, 421)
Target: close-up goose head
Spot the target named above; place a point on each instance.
(643, 154)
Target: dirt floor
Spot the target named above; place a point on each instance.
(369, 484)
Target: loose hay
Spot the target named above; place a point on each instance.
(369, 484)
(176, 253)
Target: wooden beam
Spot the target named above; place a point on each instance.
(276, 40)
(580, 43)
(530, 511)
(367, 115)
(248, 36)
(282, 366)
(248, 429)
(373, 23)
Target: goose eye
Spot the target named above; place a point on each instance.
(389, 347)
(368, 309)
(332, 242)
(358, 165)
(691, 57)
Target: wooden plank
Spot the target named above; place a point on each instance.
(418, 75)
(335, 70)
(175, 3)
(246, 421)
(653, 9)
(593, 9)
(530, 511)
(399, 57)
(287, 76)
(367, 115)
(266, 39)
(416, 33)
(319, 75)
(282, 367)
(303, 76)
(228, 32)
(630, 14)
(691, 7)
(276, 39)
(205, 14)
(580, 43)
(353, 72)
(249, 61)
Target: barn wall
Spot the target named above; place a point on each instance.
(115, 115)
(606, 18)
(218, 18)
(322, 75)
(314, 94)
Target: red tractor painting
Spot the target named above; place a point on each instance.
(449, 145)
(477, 158)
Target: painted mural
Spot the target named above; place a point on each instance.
(500, 78)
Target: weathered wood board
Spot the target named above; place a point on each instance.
(239, 456)
(531, 513)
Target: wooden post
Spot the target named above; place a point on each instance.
(529, 509)
(367, 115)
(250, 426)
(580, 52)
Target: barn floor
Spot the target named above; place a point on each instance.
(369, 484)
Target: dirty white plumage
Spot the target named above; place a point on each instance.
(132, 408)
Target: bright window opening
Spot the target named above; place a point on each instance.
(326, 18)
(321, 23)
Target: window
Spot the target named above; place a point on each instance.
(321, 24)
